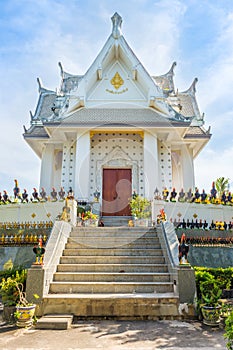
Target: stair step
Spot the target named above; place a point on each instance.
(153, 306)
(100, 243)
(111, 259)
(112, 267)
(112, 232)
(57, 322)
(114, 252)
(116, 220)
(111, 277)
(111, 245)
(111, 287)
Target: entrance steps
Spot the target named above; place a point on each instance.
(116, 221)
(117, 272)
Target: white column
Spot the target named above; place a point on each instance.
(187, 167)
(82, 165)
(68, 164)
(151, 164)
(47, 166)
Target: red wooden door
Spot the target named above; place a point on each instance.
(117, 190)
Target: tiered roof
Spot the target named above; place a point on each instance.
(158, 103)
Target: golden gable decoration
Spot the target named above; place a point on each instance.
(117, 81)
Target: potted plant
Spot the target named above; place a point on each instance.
(209, 304)
(25, 310)
(9, 292)
(90, 219)
(140, 210)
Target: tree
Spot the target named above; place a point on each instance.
(221, 185)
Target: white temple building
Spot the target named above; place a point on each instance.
(116, 129)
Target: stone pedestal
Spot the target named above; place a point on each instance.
(187, 284)
(35, 285)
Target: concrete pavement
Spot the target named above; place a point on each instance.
(116, 335)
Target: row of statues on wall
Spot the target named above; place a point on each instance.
(194, 197)
(203, 224)
(36, 196)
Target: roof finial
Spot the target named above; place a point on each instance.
(61, 68)
(116, 25)
(192, 88)
(39, 83)
(172, 68)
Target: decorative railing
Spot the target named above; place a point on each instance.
(16, 234)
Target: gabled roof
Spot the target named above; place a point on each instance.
(138, 99)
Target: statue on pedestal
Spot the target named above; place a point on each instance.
(183, 250)
(39, 250)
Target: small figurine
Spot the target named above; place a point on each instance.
(130, 223)
(213, 191)
(165, 193)
(43, 194)
(16, 189)
(96, 195)
(5, 197)
(101, 223)
(35, 195)
(54, 194)
(183, 249)
(70, 194)
(39, 250)
(173, 195)
(62, 193)
(181, 197)
(25, 196)
(161, 217)
(65, 216)
(203, 195)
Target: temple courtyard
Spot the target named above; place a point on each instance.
(116, 335)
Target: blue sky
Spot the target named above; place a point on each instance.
(36, 35)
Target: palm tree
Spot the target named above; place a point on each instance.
(221, 185)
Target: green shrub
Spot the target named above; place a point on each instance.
(11, 272)
(223, 276)
(8, 287)
(229, 331)
(140, 207)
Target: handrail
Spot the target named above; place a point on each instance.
(56, 245)
(174, 261)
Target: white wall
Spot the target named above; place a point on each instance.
(208, 212)
(22, 212)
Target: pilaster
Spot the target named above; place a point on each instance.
(47, 168)
(187, 168)
(82, 165)
(68, 164)
(151, 164)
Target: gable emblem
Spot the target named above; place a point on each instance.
(117, 81)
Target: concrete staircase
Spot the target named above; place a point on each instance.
(113, 272)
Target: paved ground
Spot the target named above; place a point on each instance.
(116, 335)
